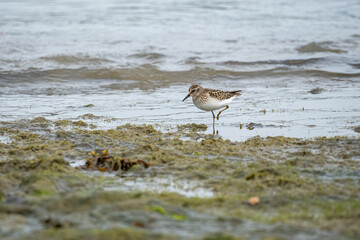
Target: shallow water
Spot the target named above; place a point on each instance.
(160, 185)
(288, 111)
(135, 61)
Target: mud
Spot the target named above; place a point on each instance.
(308, 188)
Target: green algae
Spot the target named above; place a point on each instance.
(89, 105)
(192, 127)
(44, 176)
(221, 236)
(40, 120)
(63, 123)
(159, 209)
(94, 234)
(79, 123)
(90, 116)
(313, 183)
(38, 185)
(162, 211)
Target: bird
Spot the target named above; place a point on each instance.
(211, 99)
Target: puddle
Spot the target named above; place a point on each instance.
(161, 185)
(5, 139)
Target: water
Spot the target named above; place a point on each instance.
(134, 61)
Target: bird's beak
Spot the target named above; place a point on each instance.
(186, 97)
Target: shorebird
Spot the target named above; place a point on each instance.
(211, 99)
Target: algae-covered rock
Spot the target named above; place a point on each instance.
(40, 177)
(62, 123)
(357, 129)
(198, 187)
(193, 127)
(39, 120)
(53, 163)
(80, 123)
(90, 116)
(142, 129)
(88, 105)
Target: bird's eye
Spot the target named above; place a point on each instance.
(193, 91)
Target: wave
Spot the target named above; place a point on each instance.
(356, 65)
(150, 73)
(148, 56)
(76, 59)
(287, 62)
(314, 47)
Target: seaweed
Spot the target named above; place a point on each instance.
(105, 162)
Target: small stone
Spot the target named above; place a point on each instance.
(316, 90)
(253, 201)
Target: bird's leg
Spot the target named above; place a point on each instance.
(221, 112)
(213, 122)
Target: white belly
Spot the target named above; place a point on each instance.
(212, 104)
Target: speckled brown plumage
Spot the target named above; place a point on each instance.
(221, 95)
(202, 94)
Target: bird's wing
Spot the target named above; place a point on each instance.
(221, 95)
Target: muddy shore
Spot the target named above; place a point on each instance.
(197, 186)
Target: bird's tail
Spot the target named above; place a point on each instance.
(236, 93)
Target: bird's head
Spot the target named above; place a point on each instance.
(194, 90)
